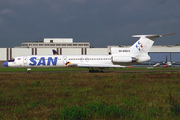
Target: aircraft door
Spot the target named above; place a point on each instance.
(64, 59)
(25, 60)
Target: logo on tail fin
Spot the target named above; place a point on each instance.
(55, 52)
(139, 46)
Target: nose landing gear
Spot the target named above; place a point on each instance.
(28, 70)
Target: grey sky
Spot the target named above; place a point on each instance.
(101, 22)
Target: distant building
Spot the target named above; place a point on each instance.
(55, 43)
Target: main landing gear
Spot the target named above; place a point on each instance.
(91, 70)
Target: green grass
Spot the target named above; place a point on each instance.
(73, 95)
(74, 69)
(38, 69)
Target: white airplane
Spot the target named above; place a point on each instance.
(119, 57)
(166, 63)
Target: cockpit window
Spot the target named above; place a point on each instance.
(12, 60)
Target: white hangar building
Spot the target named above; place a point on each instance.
(66, 46)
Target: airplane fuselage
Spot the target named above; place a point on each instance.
(65, 60)
(58, 60)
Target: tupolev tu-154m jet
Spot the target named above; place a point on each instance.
(119, 57)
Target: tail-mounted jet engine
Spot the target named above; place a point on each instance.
(123, 59)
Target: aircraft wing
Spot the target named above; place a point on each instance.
(99, 66)
(94, 65)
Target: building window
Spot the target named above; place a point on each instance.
(40, 44)
(86, 44)
(35, 44)
(24, 44)
(74, 44)
(51, 41)
(69, 44)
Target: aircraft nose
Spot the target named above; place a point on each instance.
(6, 63)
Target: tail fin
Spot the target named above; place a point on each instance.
(55, 52)
(144, 44)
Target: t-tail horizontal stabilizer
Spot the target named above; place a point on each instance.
(144, 44)
(152, 37)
